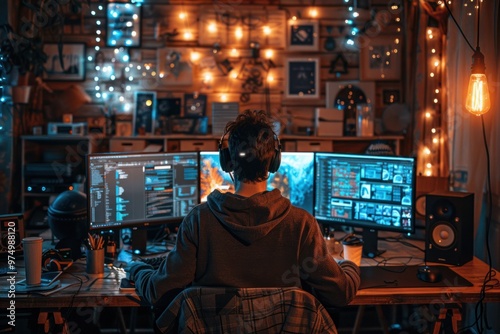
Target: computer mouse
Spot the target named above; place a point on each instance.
(429, 274)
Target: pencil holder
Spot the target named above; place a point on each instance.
(95, 261)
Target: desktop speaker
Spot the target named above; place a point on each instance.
(449, 219)
(11, 234)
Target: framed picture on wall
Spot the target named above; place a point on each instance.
(380, 59)
(144, 112)
(67, 66)
(302, 78)
(303, 35)
(123, 25)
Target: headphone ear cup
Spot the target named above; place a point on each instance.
(275, 163)
(54, 265)
(225, 160)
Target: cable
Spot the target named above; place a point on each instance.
(458, 26)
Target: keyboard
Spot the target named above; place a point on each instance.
(154, 261)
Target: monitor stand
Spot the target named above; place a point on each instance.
(370, 243)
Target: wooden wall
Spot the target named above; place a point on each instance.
(163, 32)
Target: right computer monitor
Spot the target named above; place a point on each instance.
(367, 191)
(294, 177)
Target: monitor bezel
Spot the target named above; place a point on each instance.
(140, 223)
(367, 226)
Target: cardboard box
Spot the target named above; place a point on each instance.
(329, 122)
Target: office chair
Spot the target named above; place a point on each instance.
(245, 310)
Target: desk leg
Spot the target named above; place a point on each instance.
(44, 321)
(456, 318)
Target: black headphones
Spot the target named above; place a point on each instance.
(55, 260)
(227, 164)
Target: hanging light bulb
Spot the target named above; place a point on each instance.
(478, 97)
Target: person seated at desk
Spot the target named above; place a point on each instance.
(250, 238)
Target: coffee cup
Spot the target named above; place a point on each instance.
(32, 248)
(353, 249)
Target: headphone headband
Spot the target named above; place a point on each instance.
(227, 164)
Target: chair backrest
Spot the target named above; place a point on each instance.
(245, 310)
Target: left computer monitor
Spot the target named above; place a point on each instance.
(294, 177)
(140, 189)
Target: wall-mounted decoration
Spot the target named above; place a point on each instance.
(303, 35)
(302, 78)
(174, 67)
(165, 110)
(390, 96)
(381, 59)
(72, 67)
(144, 113)
(346, 95)
(339, 65)
(195, 105)
(123, 25)
(240, 27)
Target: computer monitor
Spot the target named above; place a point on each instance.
(367, 191)
(294, 177)
(131, 190)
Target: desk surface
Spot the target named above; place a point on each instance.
(104, 291)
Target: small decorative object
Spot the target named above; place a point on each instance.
(390, 96)
(69, 66)
(195, 105)
(123, 25)
(346, 96)
(144, 115)
(365, 120)
(302, 78)
(381, 59)
(166, 109)
(338, 65)
(174, 67)
(396, 118)
(303, 35)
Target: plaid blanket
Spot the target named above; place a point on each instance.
(245, 310)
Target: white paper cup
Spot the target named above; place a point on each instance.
(353, 253)
(353, 249)
(32, 248)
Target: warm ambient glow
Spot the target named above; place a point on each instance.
(478, 96)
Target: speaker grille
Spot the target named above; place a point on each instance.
(443, 235)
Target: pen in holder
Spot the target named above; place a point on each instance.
(95, 255)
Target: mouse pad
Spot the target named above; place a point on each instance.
(406, 277)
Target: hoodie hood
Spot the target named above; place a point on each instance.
(249, 218)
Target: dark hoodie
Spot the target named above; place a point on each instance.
(259, 241)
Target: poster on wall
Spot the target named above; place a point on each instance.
(166, 109)
(144, 112)
(302, 78)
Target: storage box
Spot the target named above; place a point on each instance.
(329, 122)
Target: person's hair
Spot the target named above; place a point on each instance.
(251, 145)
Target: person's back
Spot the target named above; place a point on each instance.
(253, 237)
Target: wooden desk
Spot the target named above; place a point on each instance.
(104, 291)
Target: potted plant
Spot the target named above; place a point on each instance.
(21, 49)
(20, 57)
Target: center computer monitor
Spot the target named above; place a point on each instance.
(294, 177)
(130, 190)
(367, 191)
